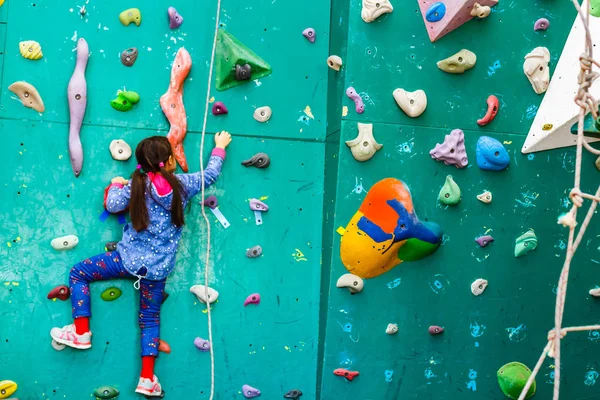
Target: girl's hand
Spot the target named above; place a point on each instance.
(222, 139)
(120, 180)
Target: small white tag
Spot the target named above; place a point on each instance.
(220, 217)
(258, 217)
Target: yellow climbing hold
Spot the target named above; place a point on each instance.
(7, 388)
(547, 127)
(131, 15)
(1, 2)
(31, 50)
(341, 231)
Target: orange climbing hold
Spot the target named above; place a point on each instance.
(350, 375)
(172, 105)
(164, 346)
(493, 105)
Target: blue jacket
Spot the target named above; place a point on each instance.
(151, 253)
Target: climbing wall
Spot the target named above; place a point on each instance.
(272, 346)
(511, 319)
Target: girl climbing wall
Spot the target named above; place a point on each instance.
(156, 199)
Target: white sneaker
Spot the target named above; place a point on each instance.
(149, 387)
(69, 337)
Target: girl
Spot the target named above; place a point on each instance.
(156, 199)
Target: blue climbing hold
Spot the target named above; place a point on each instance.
(491, 154)
(435, 12)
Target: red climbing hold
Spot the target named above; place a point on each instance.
(493, 107)
(435, 330)
(350, 375)
(61, 292)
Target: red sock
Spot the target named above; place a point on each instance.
(148, 367)
(82, 325)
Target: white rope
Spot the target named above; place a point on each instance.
(207, 259)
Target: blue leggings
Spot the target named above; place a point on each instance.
(109, 266)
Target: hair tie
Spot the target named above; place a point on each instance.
(139, 166)
(161, 164)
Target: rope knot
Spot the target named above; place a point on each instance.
(551, 337)
(575, 196)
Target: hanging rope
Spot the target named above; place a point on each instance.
(587, 103)
(207, 258)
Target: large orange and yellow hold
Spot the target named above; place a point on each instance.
(385, 231)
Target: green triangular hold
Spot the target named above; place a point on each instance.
(232, 52)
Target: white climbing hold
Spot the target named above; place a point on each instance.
(352, 282)
(120, 150)
(57, 346)
(364, 146)
(485, 197)
(64, 242)
(262, 114)
(334, 62)
(536, 69)
(373, 9)
(200, 292)
(479, 11)
(478, 286)
(595, 292)
(412, 103)
(392, 329)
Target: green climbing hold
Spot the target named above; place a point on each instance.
(231, 53)
(512, 378)
(415, 249)
(125, 100)
(111, 294)
(106, 392)
(450, 193)
(525, 243)
(595, 8)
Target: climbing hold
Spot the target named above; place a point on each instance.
(412, 103)
(512, 379)
(460, 62)
(125, 100)
(595, 292)
(219, 108)
(231, 54)
(526, 243)
(111, 246)
(249, 392)
(595, 8)
(201, 344)
(435, 12)
(536, 69)
(172, 106)
(77, 94)
(541, 24)
(262, 114)
(485, 197)
(31, 50)
(435, 330)
(450, 193)
(493, 105)
(358, 102)
(310, 34)
(349, 375)
(204, 292)
(131, 15)
(120, 150)
(61, 292)
(164, 346)
(106, 392)
(243, 72)
(373, 9)
(364, 146)
(258, 207)
(293, 394)
(7, 388)
(385, 231)
(483, 241)
(254, 252)
(212, 203)
(452, 151)
(334, 62)
(259, 160)
(391, 329)
(254, 298)
(175, 20)
(547, 127)
(128, 56)
(28, 95)
(64, 242)
(56, 346)
(479, 11)
(353, 283)
(478, 286)
(111, 294)
(491, 154)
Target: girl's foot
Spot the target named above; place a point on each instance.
(149, 387)
(69, 337)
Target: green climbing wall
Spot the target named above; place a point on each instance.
(304, 327)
